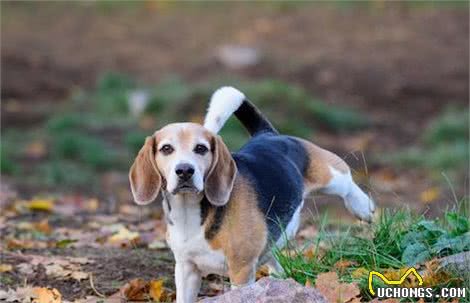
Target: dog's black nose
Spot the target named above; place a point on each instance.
(184, 171)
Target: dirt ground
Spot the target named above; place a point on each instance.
(401, 65)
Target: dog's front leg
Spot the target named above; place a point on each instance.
(188, 282)
(242, 275)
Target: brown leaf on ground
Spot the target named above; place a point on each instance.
(141, 290)
(136, 290)
(309, 253)
(5, 267)
(359, 273)
(343, 264)
(123, 237)
(43, 226)
(430, 195)
(411, 280)
(19, 295)
(41, 205)
(31, 294)
(335, 291)
(13, 243)
(263, 271)
(59, 267)
(156, 291)
(47, 295)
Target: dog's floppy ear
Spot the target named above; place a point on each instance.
(144, 176)
(219, 181)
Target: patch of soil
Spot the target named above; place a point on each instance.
(112, 268)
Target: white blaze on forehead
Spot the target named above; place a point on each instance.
(223, 103)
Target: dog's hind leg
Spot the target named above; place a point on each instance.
(328, 173)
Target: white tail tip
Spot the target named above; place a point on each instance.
(224, 102)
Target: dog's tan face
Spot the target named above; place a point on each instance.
(183, 158)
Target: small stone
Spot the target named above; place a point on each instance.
(237, 56)
(270, 290)
(137, 102)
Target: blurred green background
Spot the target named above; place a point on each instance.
(384, 85)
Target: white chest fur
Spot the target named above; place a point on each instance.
(185, 235)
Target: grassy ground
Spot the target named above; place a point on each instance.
(399, 239)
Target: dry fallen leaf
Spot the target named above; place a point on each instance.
(309, 253)
(156, 290)
(47, 295)
(136, 290)
(433, 276)
(59, 267)
(25, 268)
(32, 294)
(22, 294)
(5, 267)
(158, 244)
(263, 271)
(397, 274)
(430, 195)
(123, 235)
(335, 291)
(25, 243)
(92, 204)
(41, 204)
(79, 275)
(141, 290)
(43, 226)
(359, 273)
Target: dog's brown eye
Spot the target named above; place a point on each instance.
(166, 149)
(200, 149)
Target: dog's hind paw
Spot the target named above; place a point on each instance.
(360, 204)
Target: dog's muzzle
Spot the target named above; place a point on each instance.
(185, 174)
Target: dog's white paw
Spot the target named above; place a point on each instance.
(359, 203)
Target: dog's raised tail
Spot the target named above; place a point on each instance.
(227, 101)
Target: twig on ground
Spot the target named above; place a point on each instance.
(94, 289)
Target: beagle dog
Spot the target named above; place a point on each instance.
(225, 211)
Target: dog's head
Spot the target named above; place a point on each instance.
(183, 158)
